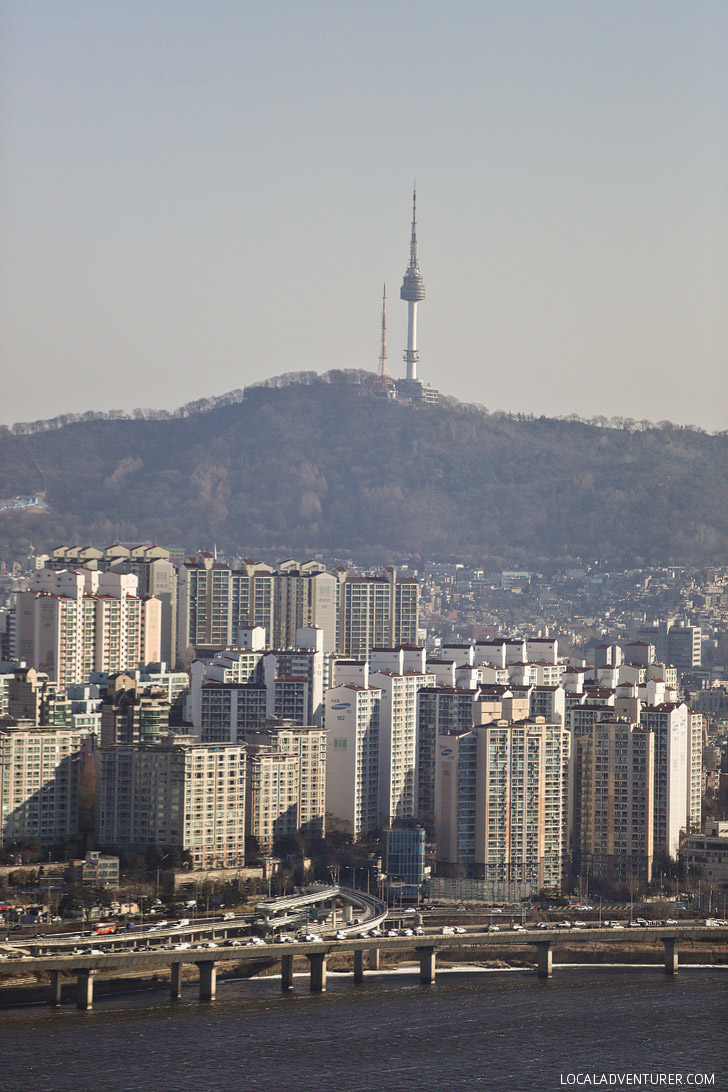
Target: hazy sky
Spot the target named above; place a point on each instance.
(198, 195)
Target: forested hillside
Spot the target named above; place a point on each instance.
(327, 466)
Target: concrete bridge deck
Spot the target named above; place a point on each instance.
(426, 947)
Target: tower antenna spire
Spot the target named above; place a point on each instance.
(383, 359)
(384, 384)
(413, 240)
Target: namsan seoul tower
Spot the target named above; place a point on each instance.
(412, 290)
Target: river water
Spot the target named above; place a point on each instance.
(492, 1031)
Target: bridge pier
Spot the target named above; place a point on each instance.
(208, 980)
(373, 959)
(56, 989)
(427, 965)
(671, 959)
(359, 965)
(318, 971)
(175, 982)
(348, 913)
(544, 956)
(287, 972)
(84, 990)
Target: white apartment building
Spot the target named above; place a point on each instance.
(73, 623)
(398, 741)
(670, 723)
(352, 719)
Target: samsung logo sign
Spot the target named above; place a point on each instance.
(446, 751)
(341, 705)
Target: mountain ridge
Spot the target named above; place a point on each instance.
(307, 463)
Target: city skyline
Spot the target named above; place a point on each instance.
(183, 189)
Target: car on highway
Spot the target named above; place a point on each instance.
(284, 938)
(516, 927)
(341, 935)
(459, 929)
(493, 929)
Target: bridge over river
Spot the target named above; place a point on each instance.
(86, 966)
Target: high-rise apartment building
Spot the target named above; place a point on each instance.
(440, 709)
(271, 795)
(156, 578)
(216, 601)
(132, 714)
(398, 722)
(501, 805)
(177, 793)
(286, 782)
(32, 697)
(352, 715)
(377, 611)
(73, 623)
(670, 723)
(612, 801)
(40, 774)
(305, 595)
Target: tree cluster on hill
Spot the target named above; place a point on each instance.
(323, 464)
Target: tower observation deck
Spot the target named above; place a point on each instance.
(412, 291)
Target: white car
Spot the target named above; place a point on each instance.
(459, 929)
(517, 928)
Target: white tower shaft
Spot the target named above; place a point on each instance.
(412, 290)
(410, 355)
